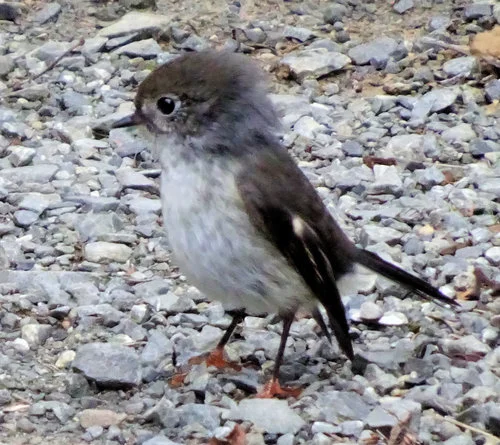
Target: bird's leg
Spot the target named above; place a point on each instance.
(273, 387)
(216, 357)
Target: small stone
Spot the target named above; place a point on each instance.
(393, 318)
(139, 313)
(314, 62)
(51, 51)
(460, 66)
(380, 418)
(36, 334)
(372, 234)
(441, 22)
(492, 90)
(370, 311)
(351, 428)
(95, 226)
(25, 425)
(144, 206)
(21, 345)
(100, 417)
(387, 180)
(25, 218)
(160, 440)
(436, 100)
(466, 345)
(105, 252)
(49, 12)
(6, 65)
(353, 149)
(40, 173)
(62, 411)
(334, 13)
(147, 49)
(129, 178)
(283, 420)
(21, 156)
(126, 142)
(110, 366)
(256, 35)
(93, 45)
(300, 34)
(430, 177)
(157, 348)
(170, 302)
(462, 439)
(493, 255)
(205, 415)
(479, 147)
(5, 397)
(403, 5)
(459, 133)
(378, 50)
(65, 358)
(475, 11)
(145, 23)
(307, 127)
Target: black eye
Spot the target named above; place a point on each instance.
(166, 105)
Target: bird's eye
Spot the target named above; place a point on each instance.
(166, 105)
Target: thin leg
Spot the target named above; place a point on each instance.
(216, 357)
(273, 387)
(287, 324)
(238, 316)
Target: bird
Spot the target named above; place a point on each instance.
(244, 223)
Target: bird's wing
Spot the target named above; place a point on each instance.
(270, 189)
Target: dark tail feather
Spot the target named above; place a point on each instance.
(316, 314)
(388, 270)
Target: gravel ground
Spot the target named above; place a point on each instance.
(389, 116)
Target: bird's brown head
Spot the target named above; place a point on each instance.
(204, 92)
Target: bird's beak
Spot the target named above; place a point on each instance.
(128, 121)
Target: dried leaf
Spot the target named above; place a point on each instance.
(370, 161)
(487, 44)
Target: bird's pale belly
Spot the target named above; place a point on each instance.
(218, 248)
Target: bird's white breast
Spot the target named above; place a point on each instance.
(214, 242)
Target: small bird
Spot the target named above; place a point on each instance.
(244, 223)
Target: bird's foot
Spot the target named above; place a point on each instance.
(215, 358)
(273, 388)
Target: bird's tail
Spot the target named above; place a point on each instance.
(394, 273)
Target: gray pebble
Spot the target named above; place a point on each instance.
(49, 12)
(106, 252)
(379, 50)
(110, 366)
(314, 62)
(6, 65)
(334, 13)
(283, 421)
(147, 49)
(36, 334)
(403, 5)
(492, 90)
(460, 66)
(477, 10)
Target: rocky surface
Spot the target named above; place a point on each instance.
(401, 136)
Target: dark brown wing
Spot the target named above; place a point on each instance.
(286, 209)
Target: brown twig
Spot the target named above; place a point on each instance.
(56, 61)
(464, 426)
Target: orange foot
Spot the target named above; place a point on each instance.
(273, 388)
(215, 358)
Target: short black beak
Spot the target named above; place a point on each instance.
(128, 121)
